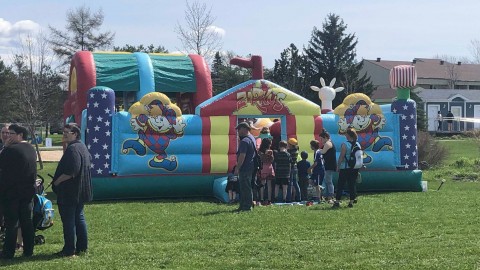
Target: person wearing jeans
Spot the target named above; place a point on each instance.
(74, 226)
(244, 168)
(328, 151)
(73, 185)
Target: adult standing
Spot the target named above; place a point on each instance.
(18, 165)
(328, 151)
(4, 136)
(317, 169)
(347, 175)
(439, 120)
(73, 185)
(449, 117)
(244, 168)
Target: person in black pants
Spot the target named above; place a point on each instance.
(346, 175)
(17, 187)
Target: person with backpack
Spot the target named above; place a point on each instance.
(245, 165)
(349, 162)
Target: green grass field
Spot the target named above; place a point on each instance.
(408, 230)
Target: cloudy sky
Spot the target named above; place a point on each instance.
(392, 30)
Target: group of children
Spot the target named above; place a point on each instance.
(281, 169)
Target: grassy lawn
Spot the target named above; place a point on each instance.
(410, 230)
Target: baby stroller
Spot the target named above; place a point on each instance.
(42, 210)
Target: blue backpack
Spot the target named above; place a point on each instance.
(42, 212)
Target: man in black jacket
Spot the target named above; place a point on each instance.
(17, 187)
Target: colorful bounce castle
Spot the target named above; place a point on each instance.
(144, 145)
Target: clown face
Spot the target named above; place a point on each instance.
(159, 123)
(360, 122)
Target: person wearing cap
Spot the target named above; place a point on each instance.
(244, 168)
(294, 188)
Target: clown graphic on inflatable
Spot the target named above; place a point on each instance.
(366, 117)
(156, 122)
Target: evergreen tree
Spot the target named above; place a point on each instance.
(140, 48)
(331, 54)
(6, 92)
(224, 75)
(217, 68)
(80, 34)
(288, 70)
(421, 115)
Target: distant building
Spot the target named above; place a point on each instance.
(442, 85)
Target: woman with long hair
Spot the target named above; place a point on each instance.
(347, 175)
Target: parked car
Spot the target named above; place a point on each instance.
(56, 128)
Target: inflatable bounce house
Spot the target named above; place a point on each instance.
(154, 130)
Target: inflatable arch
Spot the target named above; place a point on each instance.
(134, 75)
(155, 149)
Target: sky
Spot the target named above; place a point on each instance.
(391, 30)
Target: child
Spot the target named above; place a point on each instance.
(282, 169)
(267, 173)
(303, 166)
(232, 186)
(293, 183)
(317, 169)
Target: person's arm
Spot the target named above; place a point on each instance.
(240, 160)
(325, 148)
(62, 178)
(342, 156)
(72, 162)
(314, 164)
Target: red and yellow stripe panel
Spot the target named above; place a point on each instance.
(307, 129)
(222, 140)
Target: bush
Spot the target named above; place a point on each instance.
(472, 133)
(430, 152)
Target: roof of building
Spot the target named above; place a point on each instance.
(435, 68)
(446, 94)
(384, 94)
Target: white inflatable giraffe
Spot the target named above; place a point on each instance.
(327, 93)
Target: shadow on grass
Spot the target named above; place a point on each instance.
(34, 258)
(217, 212)
(160, 200)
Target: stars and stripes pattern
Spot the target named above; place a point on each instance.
(100, 108)
(407, 111)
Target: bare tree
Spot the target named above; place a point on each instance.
(452, 73)
(36, 83)
(475, 50)
(199, 35)
(80, 34)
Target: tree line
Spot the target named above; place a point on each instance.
(32, 88)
